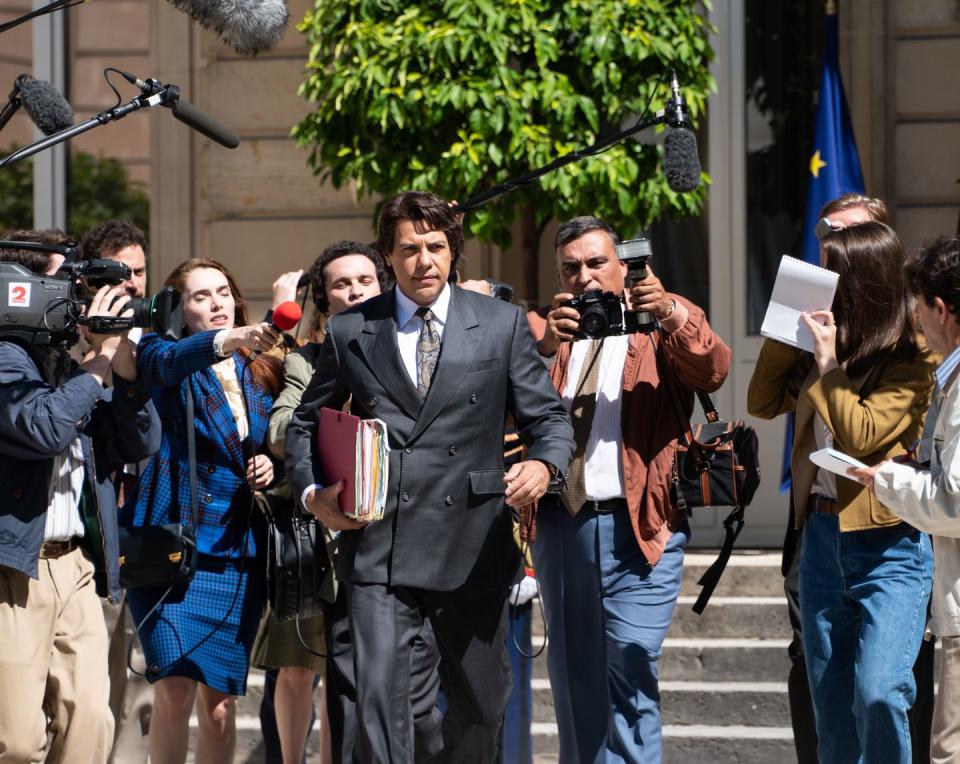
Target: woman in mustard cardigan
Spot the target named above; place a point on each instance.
(865, 576)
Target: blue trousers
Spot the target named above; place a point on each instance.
(608, 613)
(516, 745)
(863, 606)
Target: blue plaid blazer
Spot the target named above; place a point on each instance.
(223, 497)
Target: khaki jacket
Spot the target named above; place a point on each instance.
(873, 417)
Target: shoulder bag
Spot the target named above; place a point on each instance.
(716, 464)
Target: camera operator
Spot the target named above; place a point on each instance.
(609, 549)
(62, 435)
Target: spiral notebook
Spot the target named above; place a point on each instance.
(800, 287)
(356, 451)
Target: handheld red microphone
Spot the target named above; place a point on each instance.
(283, 318)
(286, 316)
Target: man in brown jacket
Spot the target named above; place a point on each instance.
(609, 550)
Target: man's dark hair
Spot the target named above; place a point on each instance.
(37, 262)
(108, 238)
(333, 252)
(934, 271)
(574, 228)
(428, 212)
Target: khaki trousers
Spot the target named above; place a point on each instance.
(131, 695)
(54, 687)
(945, 738)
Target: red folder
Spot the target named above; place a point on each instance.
(337, 438)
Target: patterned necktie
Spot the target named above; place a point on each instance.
(582, 410)
(428, 351)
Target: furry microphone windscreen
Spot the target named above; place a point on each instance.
(248, 26)
(45, 105)
(681, 163)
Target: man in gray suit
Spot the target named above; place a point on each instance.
(443, 367)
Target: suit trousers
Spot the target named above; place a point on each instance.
(470, 626)
(53, 665)
(342, 686)
(608, 613)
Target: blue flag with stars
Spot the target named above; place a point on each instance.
(834, 171)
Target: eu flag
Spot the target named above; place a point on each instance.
(834, 171)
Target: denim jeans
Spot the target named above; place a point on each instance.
(863, 607)
(607, 612)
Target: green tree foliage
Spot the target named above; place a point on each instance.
(455, 96)
(100, 189)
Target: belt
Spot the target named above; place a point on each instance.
(604, 507)
(823, 505)
(51, 550)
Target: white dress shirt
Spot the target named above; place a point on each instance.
(63, 521)
(408, 332)
(603, 468)
(409, 325)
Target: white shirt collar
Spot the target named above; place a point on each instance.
(407, 307)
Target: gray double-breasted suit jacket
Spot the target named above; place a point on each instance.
(445, 524)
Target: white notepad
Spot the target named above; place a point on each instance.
(835, 461)
(800, 287)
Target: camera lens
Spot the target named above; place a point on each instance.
(142, 308)
(593, 322)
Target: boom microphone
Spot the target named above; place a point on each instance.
(44, 104)
(248, 26)
(183, 110)
(681, 160)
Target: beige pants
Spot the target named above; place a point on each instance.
(131, 696)
(54, 687)
(945, 737)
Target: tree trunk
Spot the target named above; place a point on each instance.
(530, 252)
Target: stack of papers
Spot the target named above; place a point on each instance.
(356, 451)
(835, 461)
(800, 287)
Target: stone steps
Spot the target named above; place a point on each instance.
(723, 674)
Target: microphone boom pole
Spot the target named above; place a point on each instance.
(111, 115)
(527, 178)
(673, 115)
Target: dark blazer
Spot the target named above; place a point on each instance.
(38, 421)
(223, 497)
(445, 524)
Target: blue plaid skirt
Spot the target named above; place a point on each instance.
(205, 629)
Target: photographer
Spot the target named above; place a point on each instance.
(62, 435)
(131, 697)
(609, 550)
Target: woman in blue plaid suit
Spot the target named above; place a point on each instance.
(197, 642)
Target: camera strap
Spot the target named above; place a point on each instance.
(192, 460)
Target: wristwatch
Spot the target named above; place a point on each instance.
(556, 476)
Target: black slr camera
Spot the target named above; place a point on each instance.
(603, 314)
(46, 310)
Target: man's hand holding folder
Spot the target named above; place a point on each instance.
(353, 452)
(325, 506)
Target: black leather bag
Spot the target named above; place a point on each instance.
(716, 464)
(163, 555)
(297, 560)
(156, 555)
